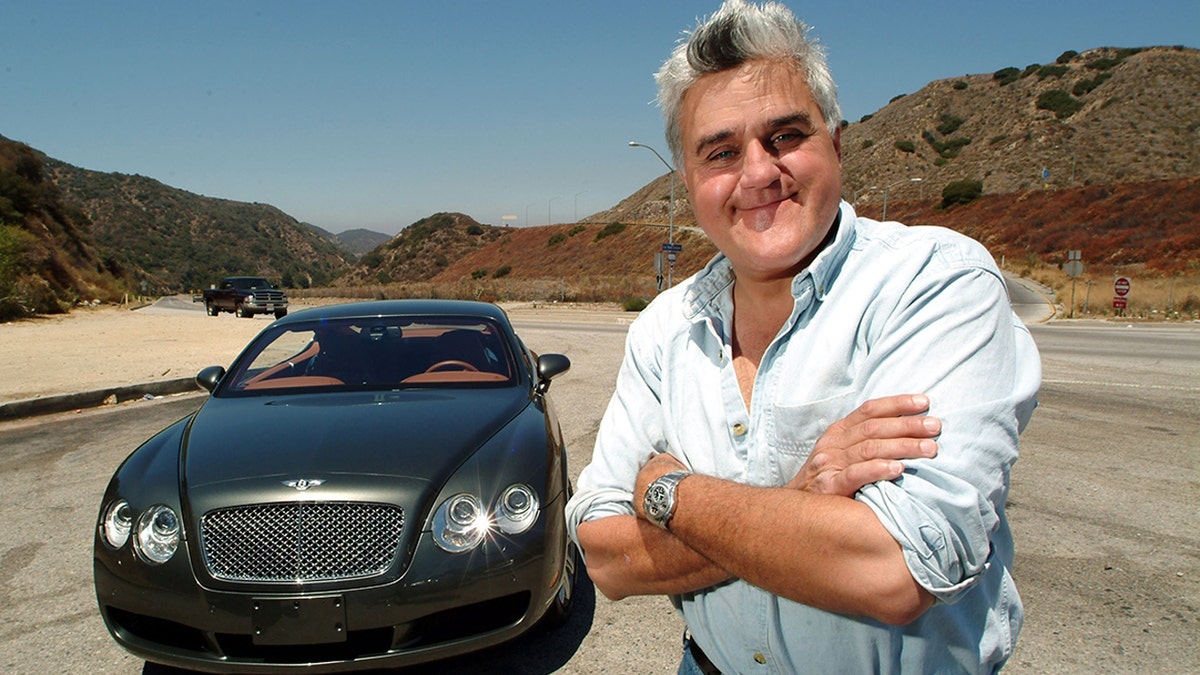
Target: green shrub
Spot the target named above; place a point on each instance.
(867, 143)
(634, 304)
(1084, 87)
(1062, 104)
(609, 230)
(961, 192)
(576, 230)
(1051, 71)
(1006, 76)
(906, 146)
(1030, 70)
(1066, 56)
(948, 148)
(474, 230)
(556, 239)
(502, 271)
(897, 97)
(959, 85)
(479, 273)
(866, 117)
(371, 259)
(1102, 63)
(949, 124)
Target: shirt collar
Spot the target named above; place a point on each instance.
(710, 283)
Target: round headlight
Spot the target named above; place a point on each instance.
(157, 534)
(116, 523)
(460, 523)
(516, 509)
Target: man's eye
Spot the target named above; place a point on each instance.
(721, 156)
(787, 138)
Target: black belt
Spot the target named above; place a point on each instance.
(706, 666)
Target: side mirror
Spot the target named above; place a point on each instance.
(550, 366)
(209, 377)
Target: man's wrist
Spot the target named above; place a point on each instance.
(660, 501)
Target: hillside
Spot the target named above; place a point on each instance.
(176, 240)
(1148, 229)
(47, 261)
(1095, 118)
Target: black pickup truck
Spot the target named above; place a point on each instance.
(245, 297)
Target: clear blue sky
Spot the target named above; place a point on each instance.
(376, 114)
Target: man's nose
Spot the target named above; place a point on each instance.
(760, 166)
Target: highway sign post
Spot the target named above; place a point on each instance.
(1073, 268)
(1121, 286)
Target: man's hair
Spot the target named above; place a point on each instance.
(737, 33)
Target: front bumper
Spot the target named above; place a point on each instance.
(441, 606)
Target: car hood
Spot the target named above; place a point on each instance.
(343, 440)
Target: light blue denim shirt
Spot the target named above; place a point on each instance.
(884, 309)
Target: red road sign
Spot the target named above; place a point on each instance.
(1118, 303)
(1121, 286)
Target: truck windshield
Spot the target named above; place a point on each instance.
(251, 283)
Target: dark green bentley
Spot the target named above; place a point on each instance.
(369, 485)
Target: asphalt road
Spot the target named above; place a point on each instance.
(1103, 507)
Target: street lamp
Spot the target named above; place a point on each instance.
(885, 193)
(671, 204)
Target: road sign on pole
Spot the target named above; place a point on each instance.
(1121, 286)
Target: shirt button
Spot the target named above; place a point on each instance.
(739, 429)
(759, 658)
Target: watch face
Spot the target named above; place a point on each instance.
(656, 501)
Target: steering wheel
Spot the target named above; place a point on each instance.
(451, 363)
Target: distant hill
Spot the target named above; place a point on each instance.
(177, 240)
(360, 241)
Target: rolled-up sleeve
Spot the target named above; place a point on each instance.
(953, 336)
(630, 433)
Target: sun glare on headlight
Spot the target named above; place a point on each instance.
(461, 523)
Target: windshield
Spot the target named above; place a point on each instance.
(375, 353)
(247, 283)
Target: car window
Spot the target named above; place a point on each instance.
(377, 353)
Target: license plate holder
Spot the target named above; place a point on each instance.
(297, 621)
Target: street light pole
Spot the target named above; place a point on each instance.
(671, 204)
(889, 187)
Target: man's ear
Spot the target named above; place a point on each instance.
(837, 143)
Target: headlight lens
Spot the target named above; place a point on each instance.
(460, 523)
(516, 509)
(117, 522)
(157, 534)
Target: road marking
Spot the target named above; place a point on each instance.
(1128, 385)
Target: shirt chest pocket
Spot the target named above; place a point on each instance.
(793, 429)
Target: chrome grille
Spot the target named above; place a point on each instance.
(265, 297)
(301, 541)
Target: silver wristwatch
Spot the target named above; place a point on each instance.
(659, 502)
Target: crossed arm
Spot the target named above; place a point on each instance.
(807, 541)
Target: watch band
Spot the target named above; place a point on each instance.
(659, 502)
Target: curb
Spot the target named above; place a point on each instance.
(47, 405)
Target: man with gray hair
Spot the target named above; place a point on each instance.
(758, 462)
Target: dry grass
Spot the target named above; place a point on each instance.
(1175, 298)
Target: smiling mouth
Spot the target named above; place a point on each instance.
(760, 218)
